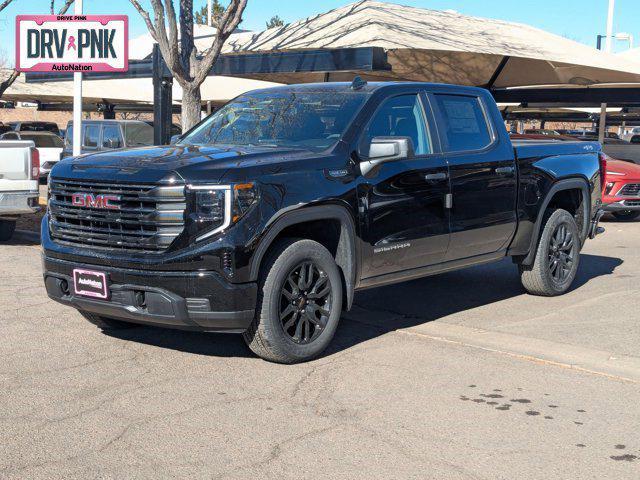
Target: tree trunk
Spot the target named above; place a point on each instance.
(191, 107)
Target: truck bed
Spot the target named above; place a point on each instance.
(545, 148)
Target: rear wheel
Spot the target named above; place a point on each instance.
(557, 257)
(7, 227)
(626, 215)
(106, 323)
(299, 304)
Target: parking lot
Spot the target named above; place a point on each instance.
(460, 375)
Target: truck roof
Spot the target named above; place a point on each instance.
(369, 87)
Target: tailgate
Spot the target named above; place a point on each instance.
(15, 160)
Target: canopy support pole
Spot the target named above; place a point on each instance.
(77, 99)
(162, 99)
(602, 127)
(497, 72)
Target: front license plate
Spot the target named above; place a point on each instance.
(90, 284)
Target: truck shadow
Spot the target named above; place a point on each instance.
(382, 310)
(379, 311)
(24, 238)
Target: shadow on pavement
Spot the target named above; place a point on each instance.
(382, 310)
(200, 343)
(24, 238)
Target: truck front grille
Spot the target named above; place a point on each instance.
(630, 190)
(124, 217)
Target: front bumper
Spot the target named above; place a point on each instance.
(626, 204)
(201, 301)
(19, 203)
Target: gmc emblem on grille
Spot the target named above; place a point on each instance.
(90, 200)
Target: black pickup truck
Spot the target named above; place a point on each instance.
(266, 217)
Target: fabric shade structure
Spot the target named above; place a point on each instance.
(216, 89)
(440, 46)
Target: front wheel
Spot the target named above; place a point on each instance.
(626, 215)
(557, 257)
(299, 303)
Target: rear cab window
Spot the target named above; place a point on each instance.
(464, 124)
(111, 137)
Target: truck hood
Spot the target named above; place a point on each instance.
(190, 163)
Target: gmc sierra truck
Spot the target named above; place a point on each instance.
(266, 217)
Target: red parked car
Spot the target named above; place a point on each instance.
(621, 194)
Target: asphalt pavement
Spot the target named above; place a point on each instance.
(457, 376)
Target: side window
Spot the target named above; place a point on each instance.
(465, 125)
(10, 136)
(68, 136)
(400, 116)
(111, 136)
(91, 136)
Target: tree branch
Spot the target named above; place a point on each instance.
(64, 8)
(229, 21)
(8, 82)
(4, 4)
(145, 16)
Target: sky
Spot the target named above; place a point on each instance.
(579, 20)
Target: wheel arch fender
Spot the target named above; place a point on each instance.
(559, 186)
(346, 256)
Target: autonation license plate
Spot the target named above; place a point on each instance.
(90, 284)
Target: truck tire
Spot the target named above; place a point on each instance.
(299, 303)
(626, 215)
(7, 227)
(557, 257)
(106, 323)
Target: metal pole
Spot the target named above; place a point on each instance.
(609, 39)
(209, 13)
(77, 98)
(607, 46)
(162, 99)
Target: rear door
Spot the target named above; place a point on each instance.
(483, 175)
(403, 217)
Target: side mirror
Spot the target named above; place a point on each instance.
(174, 139)
(383, 150)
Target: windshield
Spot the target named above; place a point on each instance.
(39, 127)
(44, 141)
(313, 120)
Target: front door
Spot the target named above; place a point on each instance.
(483, 176)
(404, 222)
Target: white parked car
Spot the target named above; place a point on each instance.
(629, 134)
(19, 175)
(48, 144)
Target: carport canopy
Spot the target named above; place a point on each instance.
(439, 46)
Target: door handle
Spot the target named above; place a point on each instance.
(505, 170)
(436, 177)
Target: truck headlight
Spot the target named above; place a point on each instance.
(218, 206)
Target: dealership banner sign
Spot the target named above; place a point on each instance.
(72, 43)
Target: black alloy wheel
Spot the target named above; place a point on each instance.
(561, 253)
(305, 303)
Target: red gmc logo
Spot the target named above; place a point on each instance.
(89, 200)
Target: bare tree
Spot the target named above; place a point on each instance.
(179, 51)
(6, 83)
